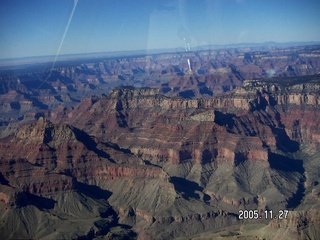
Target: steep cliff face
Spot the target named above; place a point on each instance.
(295, 101)
(259, 112)
(210, 140)
(51, 172)
(160, 165)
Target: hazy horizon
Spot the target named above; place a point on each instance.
(131, 53)
(50, 28)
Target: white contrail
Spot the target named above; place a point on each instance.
(75, 3)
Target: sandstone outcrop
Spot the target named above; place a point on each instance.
(137, 163)
(240, 150)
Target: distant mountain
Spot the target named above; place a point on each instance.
(36, 89)
(264, 44)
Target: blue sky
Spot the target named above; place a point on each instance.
(48, 27)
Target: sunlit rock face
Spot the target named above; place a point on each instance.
(135, 163)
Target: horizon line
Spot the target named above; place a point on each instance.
(146, 52)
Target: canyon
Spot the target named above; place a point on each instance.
(138, 148)
(35, 89)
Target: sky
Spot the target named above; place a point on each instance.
(55, 27)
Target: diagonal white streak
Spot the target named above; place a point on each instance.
(189, 64)
(75, 3)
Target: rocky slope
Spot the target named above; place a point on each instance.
(255, 148)
(42, 195)
(138, 164)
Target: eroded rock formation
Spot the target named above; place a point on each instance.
(136, 163)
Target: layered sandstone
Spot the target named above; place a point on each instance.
(159, 164)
